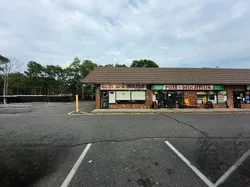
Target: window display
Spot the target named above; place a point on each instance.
(222, 97)
(138, 95)
(216, 97)
(130, 97)
(122, 95)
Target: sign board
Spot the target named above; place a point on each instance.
(222, 97)
(248, 87)
(112, 96)
(187, 87)
(123, 87)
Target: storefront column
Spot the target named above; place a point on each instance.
(149, 100)
(97, 98)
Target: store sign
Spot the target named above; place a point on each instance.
(187, 87)
(248, 87)
(123, 87)
(222, 97)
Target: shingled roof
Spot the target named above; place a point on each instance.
(123, 75)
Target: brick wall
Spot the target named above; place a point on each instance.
(245, 105)
(214, 105)
(220, 105)
(192, 96)
(97, 98)
(149, 98)
(129, 106)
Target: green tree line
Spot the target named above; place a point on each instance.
(54, 79)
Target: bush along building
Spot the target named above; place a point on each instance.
(121, 87)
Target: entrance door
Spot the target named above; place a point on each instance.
(171, 99)
(167, 99)
(104, 99)
(238, 99)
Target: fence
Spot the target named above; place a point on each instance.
(37, 98)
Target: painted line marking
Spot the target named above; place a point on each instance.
(233, 167)
(70, 113)
(75, 167)
(186, 161)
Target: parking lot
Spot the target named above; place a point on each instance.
(41, 147)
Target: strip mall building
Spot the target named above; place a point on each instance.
(121, 87)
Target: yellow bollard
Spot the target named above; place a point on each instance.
(77, 107)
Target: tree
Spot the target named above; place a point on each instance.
(52, 75)
(86, 67)
(34, 75)
(18, 84)
(34, 69)
(74, 77)
(144, 63)
(116, 65)
(109, 65)
(120, 65)
(8, 66)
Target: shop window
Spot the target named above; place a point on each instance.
(201, 97)
(130, 97)
(138, 95)
(123, 95)
(216, 97)
(211, 97)
(222, 97)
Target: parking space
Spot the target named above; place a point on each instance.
(40, 148)
(214, 157)
(137, 163)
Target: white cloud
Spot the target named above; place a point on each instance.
(173, 33)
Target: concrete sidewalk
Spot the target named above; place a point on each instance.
(175, 110)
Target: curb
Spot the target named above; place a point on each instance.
(176, 112)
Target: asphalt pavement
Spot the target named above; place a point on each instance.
(41, 147)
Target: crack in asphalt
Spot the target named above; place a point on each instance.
(186, 124)
(129, 140)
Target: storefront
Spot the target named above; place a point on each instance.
(124, 96)
(241, 98)
(172, 96)
(143, 88)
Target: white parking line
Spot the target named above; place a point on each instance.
(232, 168)
(75, 167)
(202, 177)
(70, 113)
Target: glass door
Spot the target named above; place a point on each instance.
(104, 100)
(171, 99)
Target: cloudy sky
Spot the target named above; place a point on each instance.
(190, 33)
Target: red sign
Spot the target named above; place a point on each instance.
(188, 87)
(123, 87)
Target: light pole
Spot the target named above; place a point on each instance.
(84, 85)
